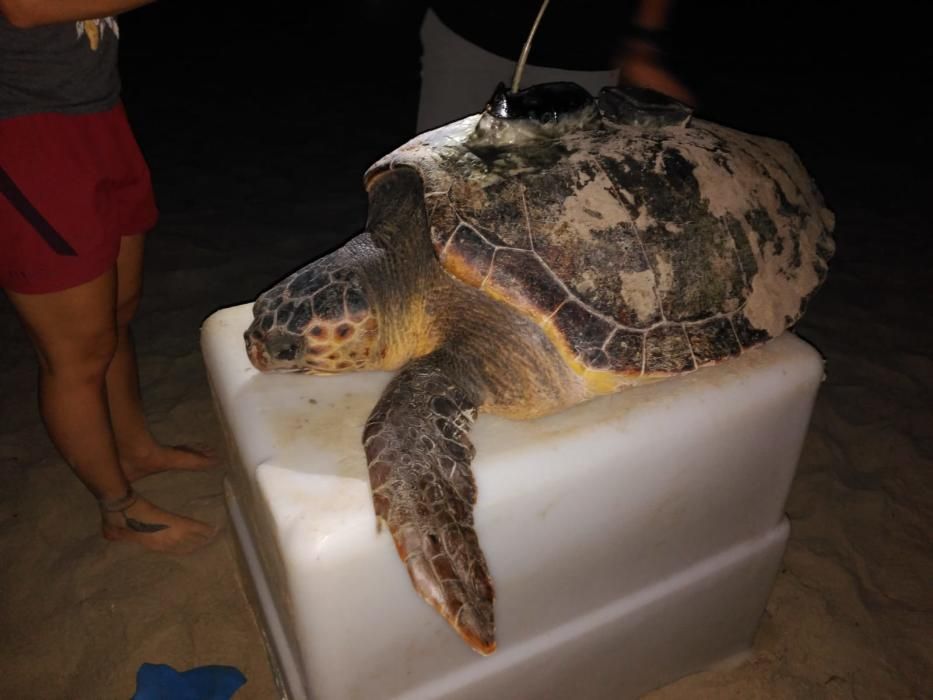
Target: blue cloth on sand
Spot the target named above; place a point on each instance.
(162, 682)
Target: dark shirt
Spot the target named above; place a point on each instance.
(69, 67)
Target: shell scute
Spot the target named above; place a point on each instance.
(587, 238)
(746, 332)
(667, 350)
(581, 330)
(626, 350)
(521, 277)
(677, 229)
(496, 210)
(468, 256)
(712, 340)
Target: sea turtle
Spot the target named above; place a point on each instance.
(551, 249)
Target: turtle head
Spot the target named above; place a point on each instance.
(318, 320)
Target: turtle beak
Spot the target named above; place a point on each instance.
(259, 359)
(253, 337)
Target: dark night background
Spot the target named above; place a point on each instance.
(258, 124)
(310, 96)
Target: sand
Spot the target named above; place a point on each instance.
(273, 183)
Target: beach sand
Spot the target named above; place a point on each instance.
(255, 179)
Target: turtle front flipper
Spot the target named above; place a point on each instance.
(419, 458)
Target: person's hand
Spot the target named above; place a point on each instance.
(640, 64)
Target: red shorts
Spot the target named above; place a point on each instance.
(70, 187)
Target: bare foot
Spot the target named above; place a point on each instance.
(153, 528)
(161, 459)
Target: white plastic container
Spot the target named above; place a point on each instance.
(633, 539)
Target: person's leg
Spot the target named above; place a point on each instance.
(140, 454)
(74, 333)
(73, 350)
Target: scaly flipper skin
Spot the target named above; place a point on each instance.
(419, 458)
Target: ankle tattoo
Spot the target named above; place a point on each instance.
(124, 503)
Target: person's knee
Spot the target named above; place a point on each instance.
(81, 357)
